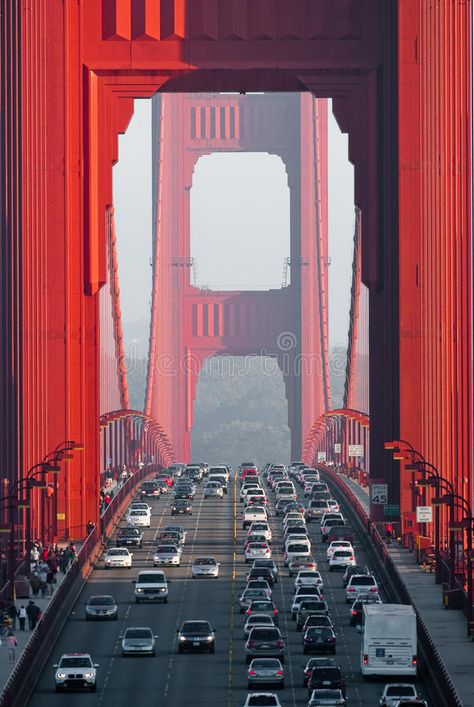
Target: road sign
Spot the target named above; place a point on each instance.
(321, 456)
(424, 514)
(356, 450)
(337, 448)
(379, 494)
(391, 510)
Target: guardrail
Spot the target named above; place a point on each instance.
(439, 679)
(18, 687)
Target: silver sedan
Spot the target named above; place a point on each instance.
(167, 555)
(138, 641)
(265, 671)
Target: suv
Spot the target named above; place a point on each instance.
(330, 677)
(252, 514)
(196, 635)
(75, 670)
(397, 691)
(357, 607)
(266, 642)
(151, 585)
(129, 536)
(361, 583)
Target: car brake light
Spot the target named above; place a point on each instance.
(414, 660)
(279, 644)
(374, 589)
(275, 612)
(366, 659)
(351, 589)
(351, 558)
(250, 644)
(354, 612)
(251, 672)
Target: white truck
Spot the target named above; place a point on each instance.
(389, 642)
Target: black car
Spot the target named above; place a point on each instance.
(196, 636)
(129, 536)
(356, 569)
(150, 489)
(267, 563)
(357, 608)
(186, 492)
(261, 573)
(316, 620)
(181, 506)
(313, 663)
(319, 639)
(331, 678)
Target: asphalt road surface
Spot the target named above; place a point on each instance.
(219, 680)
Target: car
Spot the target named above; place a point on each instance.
(255, 495)
(213, 489)
(170, 537)
(329, 677)
(75, 670)
(259, 584)
(360, 583)
(176, 529)
(302, 594)
(181, 506)
(257, 550)
(139, 517)
(338, 545)
(167, 555)
(301, 562)
(118, 557)
(250, 595)
(163, 486)
(140, 505)
(309, 578)
(341, 559)
(257, 620)
(262, 699)
(261, 573)
(296, 549)
(356, 611)
(167, 478)
(263, 528)
(315, 620)
(263, 606)
(290, 516)
(138, 641)
(396, 691)
(301, 536)
(333, 505)
(310, 606)
(341, 532)
(184, 493)
(205, 567)
(411, 703)
(101, 606)
(129, 536)
(255, 538)
(265, 671)
(149, 489)
(265, 642)
(314, 662)
(196, 635)
(316, 509)
(252, 514)
(281, 506)
(267, 563)
(319, 639)
(326, 697)
(356, 569)
(151, 585)
(328, 526)
(331, 515)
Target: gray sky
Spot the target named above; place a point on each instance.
(239, 221)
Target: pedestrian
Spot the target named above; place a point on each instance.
(11, 645)
(43, 577)
(35, 583)
(22, 616)
(388, 533)
(34, 613)
(90, 527)
(12, 613)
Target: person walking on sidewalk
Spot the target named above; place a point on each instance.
(388, 533)
(12, 613)
(11, 645)
(22, 616)
(33, 612)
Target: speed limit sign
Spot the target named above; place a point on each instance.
(379, 494)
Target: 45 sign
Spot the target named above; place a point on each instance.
(379, 494)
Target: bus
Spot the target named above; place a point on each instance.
(389, 640)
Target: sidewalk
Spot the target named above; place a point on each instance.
(447, 628)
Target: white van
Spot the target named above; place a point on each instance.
(389, 641)
(151, 585)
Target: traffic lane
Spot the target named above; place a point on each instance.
(103, 641)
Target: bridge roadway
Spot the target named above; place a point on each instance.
(195, 679)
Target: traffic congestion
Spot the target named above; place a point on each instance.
(244, 589)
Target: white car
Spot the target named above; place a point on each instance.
(262, 699)
(333, 505)
(247, 487)
(292, 515)
(296, 538)
(167, 555)
(257, 551)
(118, 557)
(302, 597)
(139, 518)
(257, 620)
(262, 528)
(299, 549)
(342, 558)
(309, 578)
(151, 585)
(213, 489)
(394, 692)
(140, 506)
(252, 514)
(338, 545)
(205, 567)
(361, 583)
(75, 670)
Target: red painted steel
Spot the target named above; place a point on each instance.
(189, 324)
(399, 74)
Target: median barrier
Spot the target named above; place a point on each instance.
(25, 673)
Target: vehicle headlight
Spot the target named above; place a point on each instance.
(61, 676)
(182, 638)
(209, 638)
(88, 675)
(139, 589)
(162, 589)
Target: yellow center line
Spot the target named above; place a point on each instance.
(231, 626)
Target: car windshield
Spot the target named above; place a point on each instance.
(401, 691)
(117, 551)
(204, 561)
(326, 674)
(262, 701)
(307, 605)
(260, 619)
(262, 606)
(328, 695)
(76, 662)
(258, 663)
(363, 581)
(138, 512)
(265, 634)
(297, 547)
(319, 631)
(342, 553)
(196, 627)
(101, 601)
(138, 633)
(154, 578)
(129, 531)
